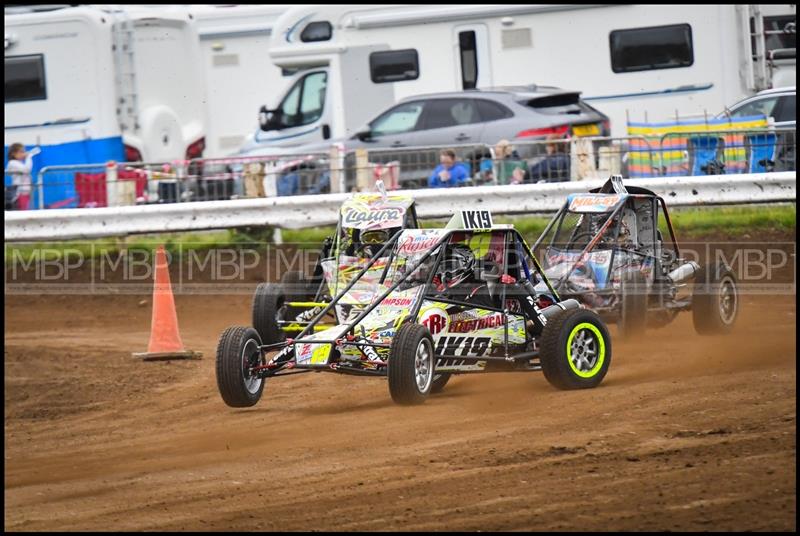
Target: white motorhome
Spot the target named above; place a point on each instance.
(91, 83)
(239, 76)
(628, 60)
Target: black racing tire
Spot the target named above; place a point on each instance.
(439, 381)
(715, 300)
(237, 350)
(633, 305)
(410, 378)
(295, 286)
(571, 336)
(267, 303)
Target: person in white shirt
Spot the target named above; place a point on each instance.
(19, 167)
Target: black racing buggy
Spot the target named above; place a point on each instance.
(366, 222)
(469, 298)
(605, 249)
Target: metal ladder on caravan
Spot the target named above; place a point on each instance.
(762, 63)
(123, 39)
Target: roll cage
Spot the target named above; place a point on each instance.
(515, 267)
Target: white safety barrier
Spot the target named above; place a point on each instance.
(308, 211)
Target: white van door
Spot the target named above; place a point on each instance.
(472, 56)
(299, 118)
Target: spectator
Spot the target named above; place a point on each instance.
(554, 167)
(288, 184)
(508, 167)
(19, 167)
(448, 173)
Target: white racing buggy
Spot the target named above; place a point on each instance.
(469, 298)
(366, 222)
(605, 249)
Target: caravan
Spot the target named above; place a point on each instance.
(239, 76)
(91, 84)
(628, 60)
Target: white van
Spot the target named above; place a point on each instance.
(628, 60)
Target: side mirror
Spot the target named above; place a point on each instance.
(268, 119)
(364, 134)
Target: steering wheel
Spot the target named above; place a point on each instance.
(575, 239)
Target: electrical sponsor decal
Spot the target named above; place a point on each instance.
(592, 203)
(468, 346)
(382, 217)
(475, 324)
(436, 320)
(476, 219)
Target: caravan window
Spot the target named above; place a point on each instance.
(657, 47)
(304, 103)
(25, 78)
(394, 65)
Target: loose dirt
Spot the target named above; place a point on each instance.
(685, 433)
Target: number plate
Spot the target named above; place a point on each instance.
(586, 130)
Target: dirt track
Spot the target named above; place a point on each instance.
(685, 433)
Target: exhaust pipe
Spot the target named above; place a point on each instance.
(684, 272)
(566, 305)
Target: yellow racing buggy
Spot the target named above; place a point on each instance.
(366, 222)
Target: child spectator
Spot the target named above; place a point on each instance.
(19, 167)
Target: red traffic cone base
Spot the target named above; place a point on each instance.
(165, 339)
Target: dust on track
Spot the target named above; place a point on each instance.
(685, 433)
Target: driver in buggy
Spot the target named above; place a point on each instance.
(462, 277)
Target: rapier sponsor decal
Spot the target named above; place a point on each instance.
(418, 243)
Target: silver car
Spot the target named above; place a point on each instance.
(462, 119)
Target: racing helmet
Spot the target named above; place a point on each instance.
(456, 267)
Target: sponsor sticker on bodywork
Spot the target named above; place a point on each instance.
(593, 202)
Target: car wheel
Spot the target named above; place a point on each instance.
(575, 349)
(238, 351)
(411, 365)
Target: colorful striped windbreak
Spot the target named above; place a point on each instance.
(662, 149)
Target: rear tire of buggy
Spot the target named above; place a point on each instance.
(715, 300)
(267, 302)
(411, 365)
(238, 349)
(575, 349)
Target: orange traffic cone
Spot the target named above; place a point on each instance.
(165, 340)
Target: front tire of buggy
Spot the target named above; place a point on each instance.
(575, 349)
(411, 365)
(238, 350)
(268, 302)
(633, 312)
(715, 300)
